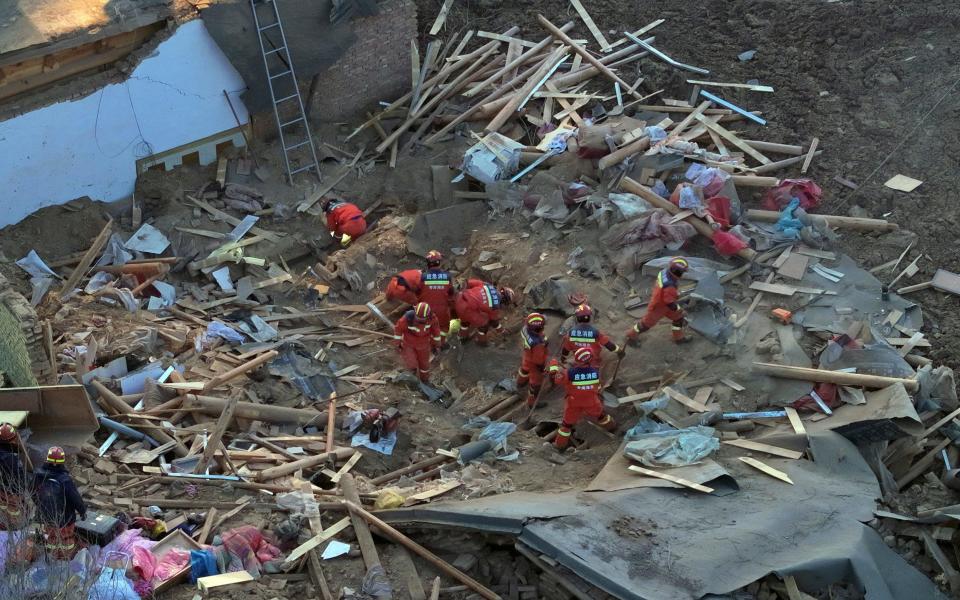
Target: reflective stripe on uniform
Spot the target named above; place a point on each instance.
(564, 432)
(606, 419)
(586, 382)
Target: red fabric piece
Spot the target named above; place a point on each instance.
(805, 190)
(719, 209)
(408, 290)
(727, 244)
(828, 392)
(248, 544)
(347, 219)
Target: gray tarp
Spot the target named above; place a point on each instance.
(707, 544)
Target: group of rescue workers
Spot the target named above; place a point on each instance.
(49, 492)
(435, 301)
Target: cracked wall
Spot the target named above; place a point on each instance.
(90, 146)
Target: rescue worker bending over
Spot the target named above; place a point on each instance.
(417, 334)
(345, 221)
(437, 291)
(582, 385)
(406, 287)
(58, 505)
(663, 303)
(585, 335)
(478, 307)
(534, 356)
(13, 481)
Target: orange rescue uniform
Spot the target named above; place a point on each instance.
(415, 340)
(532, 363)
(405, 286)
(663, 304)
(437, 291)
(478, 307)
(346, 218)
(582, 386)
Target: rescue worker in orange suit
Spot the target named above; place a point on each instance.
(58, 505)
(417, 334)
(664, 303)
(478, 308)
(534, 359)
(437, 291)
(345, 221)
(406, 286)
(582, 385)
(13, 481)
(585, 335)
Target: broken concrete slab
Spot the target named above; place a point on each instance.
(445, 227)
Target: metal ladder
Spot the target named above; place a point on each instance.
(274, 79)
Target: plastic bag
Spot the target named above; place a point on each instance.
(498, 432)
(477, 422)
(938, 389)
(630, 205)
(676, 448)
(112, 584)
(202, 564)
(389, 498)
(805, 191)
(376, 584)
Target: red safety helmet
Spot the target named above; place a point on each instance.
(8, 433)
(422, 311)
(434, 258)
(583, 355)
(583, 312)
(56, 455)
(536, 321)
(678, 266)
(507, 295)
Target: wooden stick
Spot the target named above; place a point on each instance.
(673, 478)
(777, 148)
(923, 465)
(837, 377)
(510, 108)
(563, 37)
(204, 534)
(238, 371)
(781, 164)
(304, 463)
(765, 468)
(765, 448)
(271, 446)
(753, 305)
(51, 351)
(810, 154)
(619, 155)
(857, 223)
(331, 420)
(258, 412)
(516, 62)
(98, 243)
(443, 566)
(423, 464)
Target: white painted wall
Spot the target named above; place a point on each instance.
(89, 147)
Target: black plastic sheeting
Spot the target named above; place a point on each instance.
(701, 545)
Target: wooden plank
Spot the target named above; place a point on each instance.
(427, 494)
(953, 415)
(346, 467)
(673, 478)
(945, 281)
(773, 288)
(703, 395)
(685, 400)
(743, 86)
(914, 340)
(204, 533)
(89, 256)
(318, 539)
(765, 448)
(213, 442)
(733, 139)
(441, 17)
(591, 26)
(810, 154)
(902, 341)
(505, 38)
(756, 464)
(795, 421)
(205, 584)
(268, 235)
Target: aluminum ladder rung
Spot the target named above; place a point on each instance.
(295, 146)
(287, 72)
(301, 169)
(297, 120)
(290, 97)
(270, 26)
(275, 50)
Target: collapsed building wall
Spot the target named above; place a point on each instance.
(91, 146)
(23, 356)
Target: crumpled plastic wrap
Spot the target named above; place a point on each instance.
(631, 244)
(677, 448)
(938, 388)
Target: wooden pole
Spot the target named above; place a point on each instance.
(781, 164)
(258, 412)
(213, 442)
(443, 566)
(274, 447)
(856, 223)
(111, 400)
(367, 548)
(776, 148)
(563, 37)
(423, 464)
(304, 463)
(520, 60)
(98, 243)
(331, 420)
(619, 155)
(702, 228)
(238, 371)
(837, 377)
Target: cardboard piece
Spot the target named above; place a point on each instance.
(888, 414)
(902, 183)
(614, 477)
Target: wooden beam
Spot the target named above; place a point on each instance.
(89, 256)
(213, 442)
(840, 222)
(591, 26)
(838, 377)
(441, 17)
